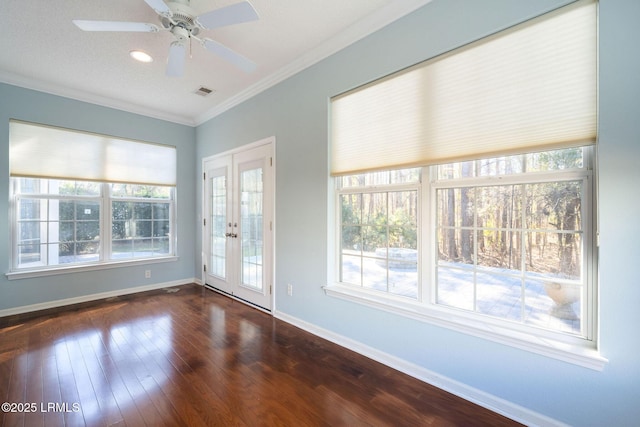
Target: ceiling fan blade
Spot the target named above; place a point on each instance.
(228, 15)
(159, 6)
(225, 53)
(176, 59)
(141, 27)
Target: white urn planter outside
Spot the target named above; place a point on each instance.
(563, 296)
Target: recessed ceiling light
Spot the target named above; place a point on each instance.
(141, 56)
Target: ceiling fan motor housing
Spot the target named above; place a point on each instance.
(180, 33)
(182, 22)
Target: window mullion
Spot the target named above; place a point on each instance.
(589, 248)
(427, 231)
(388, 232)
(14, 203)
(105, 223)
(475, 252)
(44, 218)
(524, 229)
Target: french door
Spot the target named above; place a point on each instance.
(238, 223)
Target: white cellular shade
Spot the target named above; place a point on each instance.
(48, 152)
(531, 87)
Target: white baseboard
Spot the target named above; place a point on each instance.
(479, 397)
(92, 297)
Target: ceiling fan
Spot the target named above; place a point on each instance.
(178, 18)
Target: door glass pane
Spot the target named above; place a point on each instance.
(218, 221)
(251, 211)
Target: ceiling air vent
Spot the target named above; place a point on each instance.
(203, 91)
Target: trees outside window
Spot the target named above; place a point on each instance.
(60, 222)
(510, 237)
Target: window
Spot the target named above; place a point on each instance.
(517, 250)
(57, 222)
(474, 206)
(62, 221)
(379, 231)
(140, 221)
(505, 241)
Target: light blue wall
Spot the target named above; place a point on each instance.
(28, 105)
(295, 112)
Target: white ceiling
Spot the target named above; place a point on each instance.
(42, 49)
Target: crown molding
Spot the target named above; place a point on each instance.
(83, 96)
(370, 24)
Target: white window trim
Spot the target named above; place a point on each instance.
(51, 271)
(587, 357)
(105, 199)
(574, 350)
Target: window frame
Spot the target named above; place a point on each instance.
(383, 189)
(105, 260)
(170, 201)
(582, 351)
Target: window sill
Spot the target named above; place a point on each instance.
(580, 355)
(50, 271)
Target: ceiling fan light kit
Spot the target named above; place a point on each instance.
(175, 61)
(178, 18)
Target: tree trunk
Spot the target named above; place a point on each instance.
(452, 250)
(568, 264)
(466, 206)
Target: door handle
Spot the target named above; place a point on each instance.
(234, 235)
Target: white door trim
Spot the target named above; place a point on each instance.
(270, 207)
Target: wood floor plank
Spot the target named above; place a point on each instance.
(107, 405)
(126, 404)
(87, 398)
(131, 368)
(187, 376)
(70, 393)
(17, 390)
(51, 390)
(191, 357)
(34, 388)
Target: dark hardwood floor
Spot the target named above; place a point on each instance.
(187, 356)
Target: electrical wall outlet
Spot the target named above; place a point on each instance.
(289, 289)
(147, 274)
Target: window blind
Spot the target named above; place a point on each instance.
(531, 87)
(40, 151)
